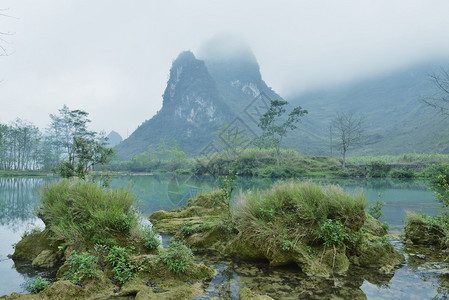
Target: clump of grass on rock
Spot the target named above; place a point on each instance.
(77, 211)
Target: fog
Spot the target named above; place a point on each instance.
(112, 58)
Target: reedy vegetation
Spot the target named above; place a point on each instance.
(298, 212)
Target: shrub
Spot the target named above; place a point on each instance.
(150, 240)
(82, 266)
(333, 233)
(74, 210)
(440, 185)
(375, 210)
(378, 169)
(37, 285)
(123, 269)
(177, 257)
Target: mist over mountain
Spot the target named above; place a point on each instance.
(200, 95)
(396, 121)
(203, 92)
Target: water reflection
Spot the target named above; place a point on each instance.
(421, 276)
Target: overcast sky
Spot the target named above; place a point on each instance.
(111, 58)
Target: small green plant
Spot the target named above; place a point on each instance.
(287, 245)
(150, 239)
(123, 268)
(440, 186)
(375, 210)
(37, 285)
(82, 266)
(333, 233)
(227, 185)
(266, 214)
(187, 229)
(177, 257)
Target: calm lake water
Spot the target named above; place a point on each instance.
(420, 278)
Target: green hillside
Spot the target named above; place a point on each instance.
(396, 120)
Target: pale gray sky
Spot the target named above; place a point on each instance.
(111, 58)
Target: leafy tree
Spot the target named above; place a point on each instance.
(80, 148)
(273, 126)
(83, 157)
(440, 101)
(349, 130)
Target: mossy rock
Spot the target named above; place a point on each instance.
(373, 226)
(15, 296)
(377, 252)
(207, 200)
(246, 294)
(195, 272)
(243, 248)
(64, 290)
(47, 259)
(172, 226)
(214, 238)
(421, 233)
(31, 245)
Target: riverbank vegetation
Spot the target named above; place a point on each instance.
(100, 245)
(432, 230)
(321, 229)
(168, 158)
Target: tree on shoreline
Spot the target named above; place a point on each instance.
(349, 131)
(273, 129)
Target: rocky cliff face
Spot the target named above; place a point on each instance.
(200, 95)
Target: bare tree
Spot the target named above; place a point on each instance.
(440, 101)
(349, 131)
(3, 41)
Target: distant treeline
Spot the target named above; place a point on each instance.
(23, 147)
(166, 157)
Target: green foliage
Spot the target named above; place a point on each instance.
(188, 228)
(165, 156)
(37, 285)
(74, 210)
(296, 211)
(227, 185)
(402, 173)
(333, 233)
(287, 245)
(266, 214)
(273, 130)
(408, 158)
(123, 269)
(375, 210)
(177, 257)
(82, 266)
(440, 185)
(150, 240)
(84, 156)
(378, 169)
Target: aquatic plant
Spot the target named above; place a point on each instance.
(37, 285)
